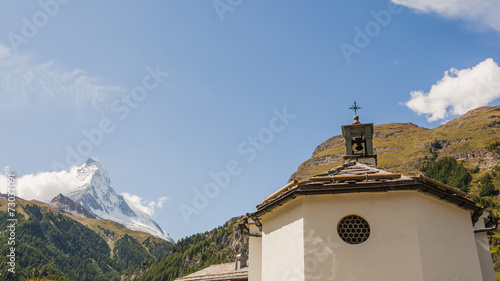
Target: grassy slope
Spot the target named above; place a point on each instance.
(115, 231)
(404, 147)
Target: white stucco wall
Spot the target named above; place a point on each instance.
(446, 241)
(390, 253)
(283, 243)
(483, 250)
(413, 237)
(255, 256)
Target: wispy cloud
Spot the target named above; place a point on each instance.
(458, 91)
(482, 12)
(24, 82)
(142, 204)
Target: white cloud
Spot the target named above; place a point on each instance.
(24, 82)
(458, 91)
(144, 205)
(483, 12)
(44, 186)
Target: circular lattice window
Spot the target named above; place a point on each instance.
(353, 229)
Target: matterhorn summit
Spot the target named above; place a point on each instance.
(96, 195)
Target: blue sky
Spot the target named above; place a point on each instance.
(172, 91)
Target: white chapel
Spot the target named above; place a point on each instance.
(360, 223)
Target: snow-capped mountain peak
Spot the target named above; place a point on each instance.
(98, 197)
(93, 172)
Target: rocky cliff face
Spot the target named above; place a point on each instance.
(65, 205)
(404, 147)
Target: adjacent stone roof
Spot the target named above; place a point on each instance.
(224, 271)
(356, 177)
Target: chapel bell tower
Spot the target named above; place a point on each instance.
(359, 141)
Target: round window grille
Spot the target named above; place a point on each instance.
(353, 229)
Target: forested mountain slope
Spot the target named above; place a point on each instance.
(198, 251)
(53, 245)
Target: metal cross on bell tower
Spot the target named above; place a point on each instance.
(355, 107)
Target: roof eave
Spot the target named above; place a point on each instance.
(306, 189)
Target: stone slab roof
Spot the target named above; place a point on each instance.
(224, 271)
(356, 177)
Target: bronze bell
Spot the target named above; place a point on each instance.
(359, 145)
